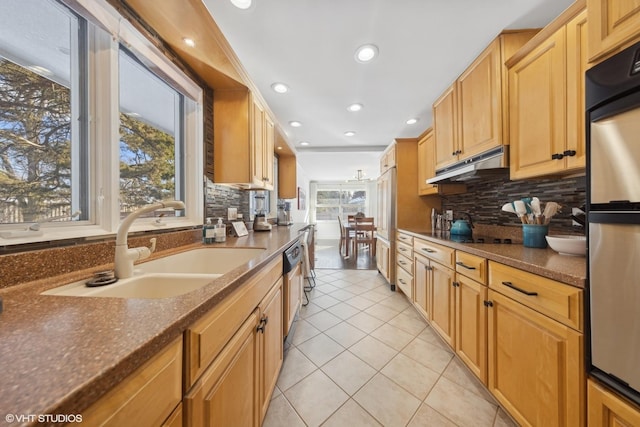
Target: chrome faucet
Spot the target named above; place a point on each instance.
(125, 256)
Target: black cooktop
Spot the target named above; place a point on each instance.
(476, 239)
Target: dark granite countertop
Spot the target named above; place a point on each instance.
(571, 270)
(61, 354)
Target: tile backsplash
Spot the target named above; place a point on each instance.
(220, 197)
(484, 199)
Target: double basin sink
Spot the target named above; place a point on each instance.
(169, 276)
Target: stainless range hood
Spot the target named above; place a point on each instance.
(492, 162)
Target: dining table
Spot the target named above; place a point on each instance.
(348, 228)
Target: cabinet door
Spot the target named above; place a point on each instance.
(471, 325)
(384, 210)
(227, 392)
(575, 152)
(537, 100)
(267, 160)
(445, 128)
(257, 144)
(608, 410)
(442, 307)
(536, 365)
(270, 345)
(421, 278)
(382, 259)
(292, 297)
(614, 24)
(427, 164)
(480, 104)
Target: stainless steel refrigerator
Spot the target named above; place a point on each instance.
(613, 212)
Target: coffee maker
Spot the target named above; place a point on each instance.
(260, 222)
(284, 213)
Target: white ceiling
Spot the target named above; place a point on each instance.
(310, 44)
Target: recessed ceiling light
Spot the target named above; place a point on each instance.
(304, 143)
(366, 53)
(242, 4)
(412, 121)
(355, 107)
(189, 42)
(280, 87)
(349, 133)
(295, 124)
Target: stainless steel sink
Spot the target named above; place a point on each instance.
(169, 276)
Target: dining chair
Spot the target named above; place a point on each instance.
(343, 237)
(365, 235)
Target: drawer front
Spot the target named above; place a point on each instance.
(439, 253)
(404, 249)
(404, 281)
(207, 336)
(554, 299)
(405, 263)
(405, 238)
(474, 267)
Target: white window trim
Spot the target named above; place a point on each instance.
(104, 133)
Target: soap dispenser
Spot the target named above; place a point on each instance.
(220, 231)
(208, 232)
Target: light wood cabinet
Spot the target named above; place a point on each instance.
(535, 328)
(243, 140)
(385, 205)
(388, 159)
(228, 392)
(427, 163)
(421, 279)
(404, 265)
(483, 96)
(383, 259)
(445, 127)
(615, 25)
(546, 83)
(271, 347)
(287, 177)
(471, 314)
(606, 409)
(149, 396)
(442, 308)
(536, 365)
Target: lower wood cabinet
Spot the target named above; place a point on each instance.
(608, 410)
(147, 397)
(536, 365)
(292, 297)
(227, 394)
(421, 278)
(383, 258)
(471, 325)
(271, 347)
(442, 308)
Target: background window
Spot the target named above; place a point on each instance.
(151, 137)
(42, 128)
(331, 203)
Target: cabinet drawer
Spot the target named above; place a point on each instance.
(404, 281)
(474, 267)
(207, 336)
(439, 253)
(405, 238)
(554, 299)
(405, 263)
(404, 249)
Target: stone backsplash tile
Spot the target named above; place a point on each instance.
(484, 199)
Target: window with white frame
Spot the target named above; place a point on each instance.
(94, 119)
(340, 201)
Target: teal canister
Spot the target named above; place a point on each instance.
(533, 235)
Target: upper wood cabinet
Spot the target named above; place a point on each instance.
(388, 159)
(287, 172)
(483, 96)
(243, 139)
(426, 163)
(471, 116)
(615, 24)
(546, 83)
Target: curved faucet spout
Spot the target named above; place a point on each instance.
(124, 256)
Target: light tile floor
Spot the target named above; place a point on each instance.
(362, 356)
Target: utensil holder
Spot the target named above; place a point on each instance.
(533, 235)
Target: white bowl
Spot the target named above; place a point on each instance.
(568, 245)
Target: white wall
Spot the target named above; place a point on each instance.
(301, 215)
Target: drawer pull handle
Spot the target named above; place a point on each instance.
(402, 281)
(402, 262)
(462, 264)
(403, 249)
(512, 286)
(428, 250)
